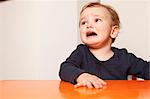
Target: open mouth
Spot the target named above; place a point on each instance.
(91, 34)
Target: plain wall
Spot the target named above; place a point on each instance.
(37, 35)
(1, 45)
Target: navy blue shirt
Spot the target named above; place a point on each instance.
(118, 67)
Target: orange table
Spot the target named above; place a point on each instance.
(55, 89)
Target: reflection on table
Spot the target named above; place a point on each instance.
(116, 89)
(56, 89)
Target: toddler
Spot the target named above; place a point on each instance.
(96, 60)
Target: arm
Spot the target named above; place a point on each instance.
(71, 68)
(71, 71)
(139, 67)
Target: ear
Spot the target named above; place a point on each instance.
(114, 31)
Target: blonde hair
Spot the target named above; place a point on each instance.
(114, 15)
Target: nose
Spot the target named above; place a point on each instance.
(89, 25)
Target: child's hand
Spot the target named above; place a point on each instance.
(90, 81)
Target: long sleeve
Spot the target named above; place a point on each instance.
(118, 67)
(139, 67)
(71, 68)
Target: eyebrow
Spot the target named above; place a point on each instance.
(99, 16)
(81, 19)
(93, 15)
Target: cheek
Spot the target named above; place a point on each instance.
(105, 30)
(82, 31)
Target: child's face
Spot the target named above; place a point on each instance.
(96, 27)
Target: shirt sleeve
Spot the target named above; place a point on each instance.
(70, 69)
(139, 67)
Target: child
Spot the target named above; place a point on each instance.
(95, 60)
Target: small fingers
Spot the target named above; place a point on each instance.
(97, 84)
(95, 78)
(90, 81)
(80, 84)
(103, 82)
(89, 84)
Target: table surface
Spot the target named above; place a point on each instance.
(56, 89)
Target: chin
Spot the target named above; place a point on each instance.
(93, 45)
(91, 42)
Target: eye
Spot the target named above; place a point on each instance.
(83, 23)
(98, 20)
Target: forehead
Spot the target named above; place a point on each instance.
(96, 11)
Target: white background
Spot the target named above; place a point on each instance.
(37, 35)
